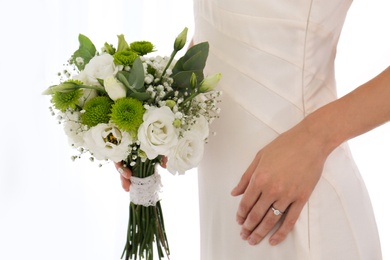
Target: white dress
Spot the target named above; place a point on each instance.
(277, 62)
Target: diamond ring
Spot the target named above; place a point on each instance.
(276, 211)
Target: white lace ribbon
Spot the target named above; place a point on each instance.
(145, 191)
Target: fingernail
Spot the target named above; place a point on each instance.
(120, 170)
(273, 242)
(252, 241)
(236, 187)
(244, 236)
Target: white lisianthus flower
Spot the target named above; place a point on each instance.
(201, 126)
(107, 142)
(157, 133)
(187, 154)
(99, 67)
(73, 128)
(115, 89)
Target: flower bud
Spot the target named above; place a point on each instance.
(209, 83)
(177, 123)
(122, 44)
(63, 87)
(115, 89)
(170, 103)
(181, 39)
(108, 48)
(193, 81)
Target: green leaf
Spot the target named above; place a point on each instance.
(137, 75)
(141, 96)
(122, 77)
(86, 51)
(101, 82)
(193, 61)
(182, 79)
(133, 80)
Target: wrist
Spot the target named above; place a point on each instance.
(322, 130)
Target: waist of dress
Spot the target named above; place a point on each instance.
(268, 85)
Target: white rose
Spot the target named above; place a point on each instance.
(157, 133)
(115, 89)
(106, 141)
(201, 126)
(99, 67)
(187, 154)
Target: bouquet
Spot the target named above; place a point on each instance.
(121, 104)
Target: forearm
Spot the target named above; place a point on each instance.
(358, 112)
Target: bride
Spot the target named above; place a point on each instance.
(278, 181)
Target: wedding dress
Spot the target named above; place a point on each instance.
(277, 62)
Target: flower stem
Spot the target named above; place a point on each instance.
(174, 52)
(101, 89)
(145, 228)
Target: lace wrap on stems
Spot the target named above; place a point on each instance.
(145, 191)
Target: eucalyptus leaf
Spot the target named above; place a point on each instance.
(122, 76)
(141, 96)
(182, 79)
(86, 51)
(193, 61)
(133, 80)
(137, 76)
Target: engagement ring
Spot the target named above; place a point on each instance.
(276, 211)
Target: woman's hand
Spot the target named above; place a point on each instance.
(281, 177)
(284, 173)
(125, 173)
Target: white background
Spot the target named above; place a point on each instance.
(52, 208)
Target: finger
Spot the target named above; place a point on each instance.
(164, 161)
(249, 199)
(272, 217)
(245, 179)
(125, 183)
(124, 171)
(254, 218)
(288, 223)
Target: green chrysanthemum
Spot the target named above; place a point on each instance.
(75, 81)
(127, 114)
(142, 47)
(97, 110)
(125, 58)
(65, 100)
